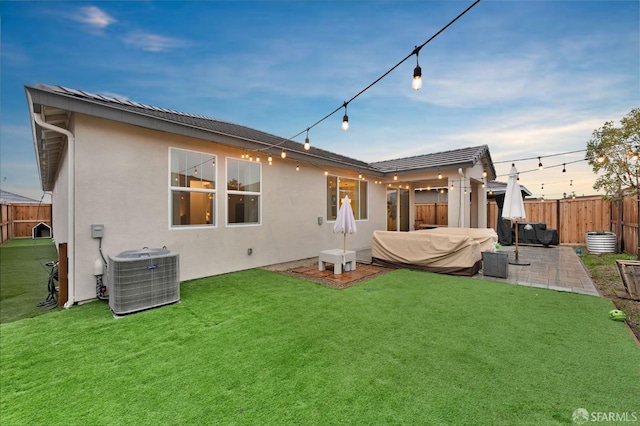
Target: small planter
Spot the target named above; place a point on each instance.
(601, 242)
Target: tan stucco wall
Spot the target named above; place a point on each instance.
(122, 175)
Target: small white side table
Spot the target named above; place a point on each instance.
(338, 258)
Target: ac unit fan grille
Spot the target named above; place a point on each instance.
(138, 284)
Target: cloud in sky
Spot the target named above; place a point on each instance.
(154, 42)
(525, 77)
(94, 17)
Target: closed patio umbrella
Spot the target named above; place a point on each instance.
(513, 207)
(345, 222)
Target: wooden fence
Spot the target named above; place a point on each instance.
(18, 219)
(572, 217)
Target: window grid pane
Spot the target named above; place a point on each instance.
(243, 192)
(192, 180)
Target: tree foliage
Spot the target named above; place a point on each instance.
(613, 152)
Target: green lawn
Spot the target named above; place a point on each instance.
(24, 277)
(257, 347)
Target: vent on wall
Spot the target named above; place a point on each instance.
(143, 279)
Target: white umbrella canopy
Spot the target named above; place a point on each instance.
(513, 207)
(345, 221)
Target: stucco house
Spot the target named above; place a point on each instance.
(206, 189)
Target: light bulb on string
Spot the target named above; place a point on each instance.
(195, 171)
(564, 169)
(484, 173)
(571, 182)
(601, 158)
(439, 174)
(395, 177)
(417, 74)
(283, 154)
(307, 145)
(270, 159)
(345, 119)
(297, 167)
(540, 166)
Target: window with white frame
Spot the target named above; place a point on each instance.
(243, 192)
(192, 183)
(357, 190)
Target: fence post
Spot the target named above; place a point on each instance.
(63, 282)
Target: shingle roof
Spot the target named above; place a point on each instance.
(265, 140)
(219, 131)
(464, 157)
(10, 197)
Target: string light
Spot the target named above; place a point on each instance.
(195, 171)
(395, 177)
(345, 119)
(540, 166)
(283, 154)
(601, 158)
(542, 187)
(484, 173)
(270, 159)
(307, 145)
(297, 167)
(417, 73)
(564, 169)
(571, 182)
(439, 174)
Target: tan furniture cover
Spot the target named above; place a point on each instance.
(435, 252)
(487, 237)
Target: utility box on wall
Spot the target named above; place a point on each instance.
(495, 264)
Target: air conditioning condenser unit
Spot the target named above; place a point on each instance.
(143, 279)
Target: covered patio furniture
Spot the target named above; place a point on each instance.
(434, 252)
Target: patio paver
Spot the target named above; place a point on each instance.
(555, 268)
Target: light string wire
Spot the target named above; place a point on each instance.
(540, 156)
(415, 51)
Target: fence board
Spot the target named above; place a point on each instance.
(18, 219)
(432, 213)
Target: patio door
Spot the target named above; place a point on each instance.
(397, 210)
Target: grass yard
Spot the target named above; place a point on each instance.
(257, 347)
(23, 277)
(605, 275)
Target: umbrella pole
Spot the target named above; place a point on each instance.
(516, 240)
(517, 261)
(344, 243)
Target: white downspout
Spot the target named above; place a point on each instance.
(461, 217)
(71, 217)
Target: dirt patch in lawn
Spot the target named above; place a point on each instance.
(606, 277)
(307, 269)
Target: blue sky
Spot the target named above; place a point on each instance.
(527, 78)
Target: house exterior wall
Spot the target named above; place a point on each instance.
(122, 182)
